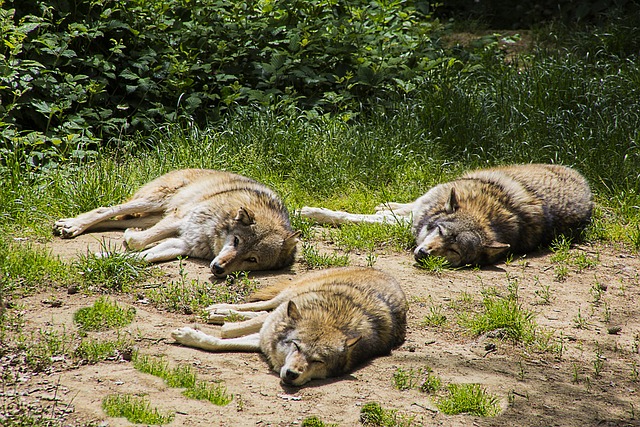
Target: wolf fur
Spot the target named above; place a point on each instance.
(479, 217)
(323, 323)
(236, 222)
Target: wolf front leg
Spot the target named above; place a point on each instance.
(198, 339)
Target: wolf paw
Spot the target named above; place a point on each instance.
(67, 228)
(189, 336)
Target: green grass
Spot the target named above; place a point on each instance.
(190, 296)
(102, 315)
(505, 316)
(183, 376)
(97, 350)
(314, 259)
(137, 410)
(468, 399)
(374, 415)
(26, 268)
(118, 272)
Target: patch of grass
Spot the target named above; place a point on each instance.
(135, 409)
(192, 296)
(215, 392)
(25, 269)
(468, 399)
(404, 380)
(350, 237)
(314, 421)
(182, 376)
(374, 415)
(435, 318)
(422, 379)
(314, 259)
(434, 264)
(102, 315)
(92, 351)
(503, 315)
(117, 272)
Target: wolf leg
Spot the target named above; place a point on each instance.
(326, 216)
(198, 339)
(219, 316)
(256, 306)
(71, 227)
(165, 251)
(145, 221)
(239, 329)
(140, 239)
(398, 209)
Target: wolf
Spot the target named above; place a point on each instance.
(323, 323)
(479, 217)
(238, 223)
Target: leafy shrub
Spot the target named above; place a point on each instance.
(77, 73)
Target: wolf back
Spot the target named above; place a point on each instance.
(478, 217)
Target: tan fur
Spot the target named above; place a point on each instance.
(479, 217)
(237, 222)
(323, 324)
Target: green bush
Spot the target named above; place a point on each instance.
(75, 73)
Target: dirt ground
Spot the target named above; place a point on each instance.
(590, 379)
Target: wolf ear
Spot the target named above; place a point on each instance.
(292, 311)
(352, 341)
(452, 202)
(245, 216)
(290, 241)
(495, 248)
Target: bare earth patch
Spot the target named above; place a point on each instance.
(587, 377)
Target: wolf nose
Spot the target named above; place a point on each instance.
(290, 376)
(422, 253)
(217, 269)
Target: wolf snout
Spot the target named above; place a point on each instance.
(422, 253)
(290, 376)
(218, 270)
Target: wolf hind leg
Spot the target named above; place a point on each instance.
(399, 209)
(68, 228)
(327, 216)
(198, 339)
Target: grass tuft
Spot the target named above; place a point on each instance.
(468, 399)
(135, 409)
(102, 315)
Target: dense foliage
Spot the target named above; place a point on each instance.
(74, 72)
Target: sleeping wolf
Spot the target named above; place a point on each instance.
(479, 217)
(323, 324)
(237, 222)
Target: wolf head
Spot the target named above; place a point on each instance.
(252, 244)
(308, 349)
(457, 236)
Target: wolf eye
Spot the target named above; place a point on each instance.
(318, 361)
(252, 259)
(236, 241)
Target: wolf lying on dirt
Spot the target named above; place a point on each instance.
(237, 222)
(323, 323)
(479, 217)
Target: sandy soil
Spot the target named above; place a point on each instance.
(591, 379)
